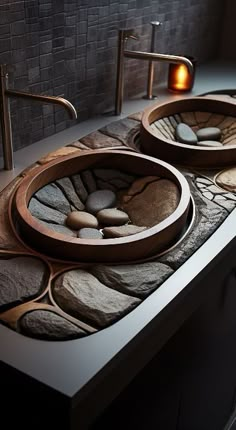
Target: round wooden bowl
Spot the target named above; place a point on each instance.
(129, 248)
(157, 132)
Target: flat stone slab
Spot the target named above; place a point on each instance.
(79, 187)
(47, 325)
(138, 186)
(59, 228)
(97, 140)
(53, 197)
(44, 213)
(155, 203)
(208, 217)
(82, 295)
(227, 179)
(116, 177)
(136, 279)
(89, 181)
(121, 129)
(122, 231)
(61, 152)
(68, 188)
(21, 279)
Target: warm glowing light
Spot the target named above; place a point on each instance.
(180, 79)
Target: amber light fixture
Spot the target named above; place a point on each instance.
(179, 77)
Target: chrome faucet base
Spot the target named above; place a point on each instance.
(150, 97)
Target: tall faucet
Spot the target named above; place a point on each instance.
(5, 116)
(124, 35)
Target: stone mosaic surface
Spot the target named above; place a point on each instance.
(66, 305)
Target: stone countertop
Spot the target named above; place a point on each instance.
(109, 359)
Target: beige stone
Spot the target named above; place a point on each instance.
(122, 231)
(61, 152)
(138, 186)
(156, 202)
(227, 179)
(96, 140)
(81, 219)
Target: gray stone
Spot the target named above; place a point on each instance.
(199, 185)
(100, 199)
(44, 324)
(136, 279)
(121, 129)
(44, 213)
(204, 181)
(89, 181)
(157, 201)
(208, 195)
(210, 143)
(89, 233)
(229, 205)
(173, 121)
(122, 231)
(208, 133)
(79, 219)
(103, 185)
(185, 134)
(59, 228)
(216, 190)
(112, 217)
(209, 216)
(66, 185)
(79, 187)
(81, 295)
(230, 196)
(109, 174)
(21, 279)
(53, 197)
(218, 198)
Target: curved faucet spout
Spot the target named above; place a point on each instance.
(151, 56)
(45, 99)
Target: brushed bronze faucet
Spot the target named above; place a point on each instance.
(5, 116)
(124, 35)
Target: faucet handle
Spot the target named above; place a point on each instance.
(155, 23)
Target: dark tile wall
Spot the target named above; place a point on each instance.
(69, 48)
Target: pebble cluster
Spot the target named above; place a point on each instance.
(203, 129)
(208, 136)
(84, 204)
(104, 203)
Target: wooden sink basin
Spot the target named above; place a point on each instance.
(158, 139)
(129, 248)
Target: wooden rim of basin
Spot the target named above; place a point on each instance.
(183, 154)
(129, 248)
